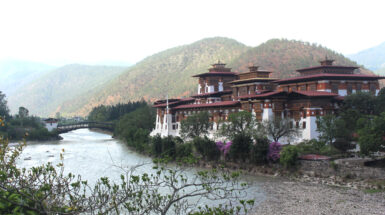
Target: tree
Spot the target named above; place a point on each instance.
(136, 126)
(4, 110)
(46, 189)
(331, 127)
(23, 112)
(196, 125)
(239, 124)
(371, 135)
(278, 128)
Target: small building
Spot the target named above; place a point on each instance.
(51, 124)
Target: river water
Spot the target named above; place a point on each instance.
(93, 155)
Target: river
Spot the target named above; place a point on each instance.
(93, 155)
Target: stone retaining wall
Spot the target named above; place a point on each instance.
(348, 168)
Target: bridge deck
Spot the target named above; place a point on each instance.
(79, 125)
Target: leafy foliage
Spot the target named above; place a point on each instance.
(4, 110)
(274, 151)
(239, 124)
(372, 135)
(105, 113)
(135, 127)
(278, 128)
(289, 156)
(207, 148)
(195, 125)
(331, 128)
(240, 148)
(47, 190)
(259, 151)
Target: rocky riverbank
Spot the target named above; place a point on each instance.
(311, 197)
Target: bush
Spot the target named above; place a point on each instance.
(274, 151)
(156, 145)
(342, 144)
(183, 150)
(289, 156)
(168, 147)
(207, 148)
(240, 147)
(259, 151)
(312, 146)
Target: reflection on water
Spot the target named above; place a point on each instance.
(94, 155)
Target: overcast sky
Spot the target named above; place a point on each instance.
(82, 31)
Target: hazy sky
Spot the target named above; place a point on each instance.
(69, 31)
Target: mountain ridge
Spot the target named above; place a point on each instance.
(171, 70)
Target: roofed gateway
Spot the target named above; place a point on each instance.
(315, 92)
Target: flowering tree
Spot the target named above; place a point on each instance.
(274, 151)
(224, 147)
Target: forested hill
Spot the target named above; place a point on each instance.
(168, 72)
(284, 57)
(44, 95)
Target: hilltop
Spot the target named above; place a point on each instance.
(283, 57)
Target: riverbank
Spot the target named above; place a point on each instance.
(297, 197)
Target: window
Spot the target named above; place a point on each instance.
(334, 88)
(349, 88)
(297, 124)
(303, 125)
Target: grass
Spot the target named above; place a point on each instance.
(372, 191)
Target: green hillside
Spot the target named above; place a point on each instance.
(168, 72)
(284, 57)
(43, 96)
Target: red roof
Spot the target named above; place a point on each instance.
(262, 95)
(304, 93)
(179, 101)
(218, 93)
(215, 104)
(327, 67)
(331, 76)
(314, 157)
(216, 73)
(315, 93)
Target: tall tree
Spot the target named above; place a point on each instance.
(331, 127)
(4, 110)
(196, 125)
(240, 123)
(277, 128)
(23, 112)
(371, 136)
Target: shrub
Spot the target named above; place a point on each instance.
(289, 156)
(168, 147)
(274, 151)
(240, 147)
(183, 150)
(259, 151)
(207, 148)
(156, 145)
(224, 147)
(342, 144)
